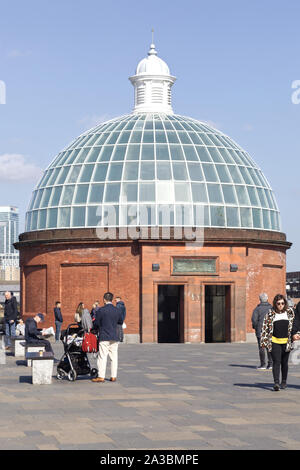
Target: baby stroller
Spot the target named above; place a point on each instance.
(74, 361)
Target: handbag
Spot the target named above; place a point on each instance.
(90, 343)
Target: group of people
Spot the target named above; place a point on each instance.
(276, 327)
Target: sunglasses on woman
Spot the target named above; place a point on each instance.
(280, 303)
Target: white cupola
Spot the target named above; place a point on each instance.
(152, 85)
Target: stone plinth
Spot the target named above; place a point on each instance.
(18, 348)
(33, 349)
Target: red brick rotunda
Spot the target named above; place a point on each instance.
(161, 209)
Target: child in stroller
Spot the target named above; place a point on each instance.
(74, 361)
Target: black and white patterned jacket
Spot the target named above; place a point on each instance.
(267, 329)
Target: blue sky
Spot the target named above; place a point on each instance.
(66, 66)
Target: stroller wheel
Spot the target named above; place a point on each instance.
(60, 374)
(72, 376)
(94, 372)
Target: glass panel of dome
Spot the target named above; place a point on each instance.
(93, 154)
(226, 155)
(235, 174)
(262, 197)
(146, 192)
(136, 137)
(242, 195)
(82, 155)
(179, 171)
(262, 179)
(165, 191)
(215, 155)
(246, 220)
(112, 192)
(242, 157)
(232, 216)
(67, 196)
(273, 220)
(162, 152)
(42, 219)
(63, 174)
(182, 192)
(195, 171)
(266, 219)
(246, 175)
(38, 199)
(184, 138)
(147, 171)
(269, 199)
(149, 123)
(131, 171)
(165, 215)
(52, 218)
(124, 137)
(72, 157)
(148, 137)
(177, 126)
(254, 176)
(168, 126)
(195, 138)
(236, 157)
(56, 193)
(204, 156)
(81, 194)
(223, 174)
(115, 172)
(64, 215)
(160, 137)
(53, 177)
(190, 153)
(73, 175)
(34, 218)
(158, 124)
(253, 196)
(44, 178)
(129, 125)
(96, 193)
(217, 216)
(113, 138)
(93, 216)
(106, 153)
(201, 215)
(129, 192)
(78, 217)
(210, 172)
(46, 197)
(86, 174)
(172, 137)
(184, 215)
(64, 157)
(100, 172)
(120, 126)
(119, 152)
(101, 139)
(92, 140)
(229, 194)
(206, 140)
(257, 218)
(147, 215)
(133, 152)
(176, 152)
(31, 205)
(274, 201)
(139, 125)
(163, 170)
(199, 192)
(214, 193)
(147, 152)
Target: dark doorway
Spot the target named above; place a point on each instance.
(170, 314)
(217, 314)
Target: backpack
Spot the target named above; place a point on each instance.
(90, 343)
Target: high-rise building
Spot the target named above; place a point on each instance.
(9, 230)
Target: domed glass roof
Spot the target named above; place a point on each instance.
(140, 162)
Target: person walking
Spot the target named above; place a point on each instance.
(120, 328)
(257, 319)
(79, 312)
(106, 321)
(58, 320)
(277, 336)
(32, 334)
(10, 318)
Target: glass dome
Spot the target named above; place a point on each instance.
(138, 163)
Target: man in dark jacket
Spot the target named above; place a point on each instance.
(258, 316)
(106, 322)
(58, 320)
(120, 304)
(10, 317)
(32, 334)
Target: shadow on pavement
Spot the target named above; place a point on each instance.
(243, 365)
(25, 379)
(268, 386)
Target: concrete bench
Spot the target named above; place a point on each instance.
(18, 349)
(42, 367)
(32, 348)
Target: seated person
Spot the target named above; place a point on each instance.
(32, 334)
(20, 328)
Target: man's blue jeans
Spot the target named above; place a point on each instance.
(10, 330)
(57, 330)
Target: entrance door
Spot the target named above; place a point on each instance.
(217, 314)
(170, 312)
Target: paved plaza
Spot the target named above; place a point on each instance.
(168, 396)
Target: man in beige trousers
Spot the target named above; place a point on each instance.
(106, 322)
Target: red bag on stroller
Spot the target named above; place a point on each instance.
(90, 343)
